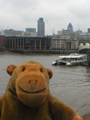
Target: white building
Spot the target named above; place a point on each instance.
(12, 32)
(64, 43)
(33, 34)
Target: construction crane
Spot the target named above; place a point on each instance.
(52, 30)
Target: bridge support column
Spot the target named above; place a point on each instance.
(88, 58)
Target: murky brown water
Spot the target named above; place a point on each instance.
(69, 84)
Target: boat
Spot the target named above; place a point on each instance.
(72, 59)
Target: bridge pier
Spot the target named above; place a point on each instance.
(88, 58)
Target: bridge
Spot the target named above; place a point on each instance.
(84, 48)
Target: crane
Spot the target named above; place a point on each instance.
(52, 30)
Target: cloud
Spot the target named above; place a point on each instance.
(19, 3)
(19, 14)
(80, 9)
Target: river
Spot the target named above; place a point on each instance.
(69, 84)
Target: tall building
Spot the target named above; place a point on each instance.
(41, 27)
(88, 30)
(70, 27)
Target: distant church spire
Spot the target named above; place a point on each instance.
(70, 27)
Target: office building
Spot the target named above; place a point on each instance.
(28, 43)
(88, 30)
(70, 27)
(30, 32)
(64, 43)
(41, 27)
(12, 32)
(30, 29)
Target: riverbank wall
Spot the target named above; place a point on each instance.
(44, 51)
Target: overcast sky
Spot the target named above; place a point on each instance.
(57, 14)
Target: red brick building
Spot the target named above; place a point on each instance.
(2, 42)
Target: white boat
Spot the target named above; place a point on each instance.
(72, 59)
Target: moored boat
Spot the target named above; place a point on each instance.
(72, 59)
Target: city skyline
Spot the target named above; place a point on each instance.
(57, 14)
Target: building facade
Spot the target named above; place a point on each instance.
(88, 30)
(2, 42)
(28, 43)
(12, 32)
(41, 27)
(29, 32)
(30, 29)
(64, 43)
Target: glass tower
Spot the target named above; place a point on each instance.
(41, 27)
(70, 27)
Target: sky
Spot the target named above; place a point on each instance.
(57, 14)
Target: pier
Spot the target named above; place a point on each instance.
(88, 57)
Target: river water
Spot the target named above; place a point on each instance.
(69, 84)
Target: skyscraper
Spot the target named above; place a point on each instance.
(41, 27)
(70, 27)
